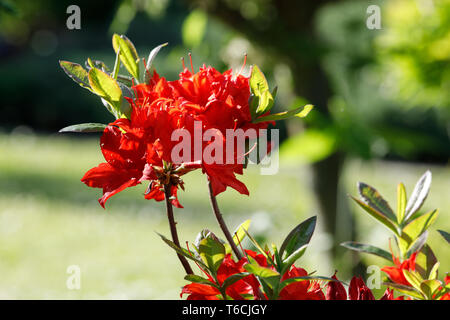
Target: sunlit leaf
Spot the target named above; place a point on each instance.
(377, 215)
(299, 112)
(107, 88)
(239, 234)
(415, 228)
(410, 291)
(419, 195)
(374, 200)
(76, 72)
(401, 202)
(128, 54)
(212, 253)
(430, 287)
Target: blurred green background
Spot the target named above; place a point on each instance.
(382, 116)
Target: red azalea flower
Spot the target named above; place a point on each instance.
(358, 290)
(396, 273)
(246, 286)
(135, 149)
(301, 290)
(335, 290)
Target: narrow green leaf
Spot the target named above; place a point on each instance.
(182, 251)
(294, 256)
(374, 200)
(418, 244)
(298, 237)
(197, 279)
(413, 278)
(410, 291)
(107, 88)
(260, 89)
(401, 202)
(234, 278)
(430, 287)
(367, 249)
(299, 112)
(445, 235)
(412, 231)
(150, 59)
(76, 72)
(85, 127)
(212, 253)
(271, 277)
(377, 215)
(434, 271)
(240, 232)
(419, 195)
(128, 54)
(425, 261)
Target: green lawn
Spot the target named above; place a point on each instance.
(49, 220)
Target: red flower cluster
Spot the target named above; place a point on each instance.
(396, 273)
(140, 148)
(248, 287)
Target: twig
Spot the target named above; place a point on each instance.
(221, 222)
(173, 228)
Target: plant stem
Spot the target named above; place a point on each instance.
(173, 228)
(221, 222)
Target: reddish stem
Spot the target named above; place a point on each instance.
(221, 222)
(173, 228)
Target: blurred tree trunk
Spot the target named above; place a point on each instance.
(289, 36)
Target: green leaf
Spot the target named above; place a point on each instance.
(239, 234)
(76, 72)
(194, 28)
(299, 112)
(425, 261)
(89, 63)
(234, 278)
(128, 54)
(197, 279)
(434, 271)
(151, 57)
(418, 244)
(410, 291)
(290, 260)
(445, 235)
(415, 228)
(257, 246)
(107, 88)
(85, 127)
(401, 202)
(374, 200)
(298, 237)
(419, 195)
(377, 215)
(182, 251)
(367, 249)
(260, 90)
(413, 278)
(430, 287)
(212, 253)
(271, 277)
